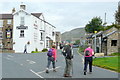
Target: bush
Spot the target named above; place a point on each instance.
(35, 52)
(44, 50)
(115, 54)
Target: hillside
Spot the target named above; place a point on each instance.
(74, 34)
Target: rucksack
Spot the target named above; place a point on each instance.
(87, 53)
(50, 53)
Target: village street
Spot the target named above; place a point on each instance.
(19, 65)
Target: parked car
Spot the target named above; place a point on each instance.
(75, 46)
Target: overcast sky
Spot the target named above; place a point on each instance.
(69, 14)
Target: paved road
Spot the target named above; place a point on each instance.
(33, 65)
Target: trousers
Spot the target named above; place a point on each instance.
(88, 60)
(51, 59)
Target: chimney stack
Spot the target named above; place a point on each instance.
(13, 10)
(22, 6)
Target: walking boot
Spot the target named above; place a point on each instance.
(47, 71)
(84, 72)
(54, 70)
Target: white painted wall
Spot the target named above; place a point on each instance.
(32, 34)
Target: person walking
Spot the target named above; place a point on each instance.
(25, 48)
(88, 53)
(68, 54)
(52, 55)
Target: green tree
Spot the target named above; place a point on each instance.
(77, 42)
(113, 25)
(117, 14)
(94, 25)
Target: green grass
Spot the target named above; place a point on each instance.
(110, 63)
(114, 54)
(36, 51)
(81, 49)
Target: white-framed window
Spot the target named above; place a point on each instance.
(9, 21)
(1, 23)
(47, 43)
(41, 35)
(22, 33)
(1, 35)
(22, 20)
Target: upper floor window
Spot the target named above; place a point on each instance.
(53, 33)
(22, 21)
(1, 34)
(41, 36)
(9, 21)
(1, 23)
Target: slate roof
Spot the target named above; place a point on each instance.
(6, 16)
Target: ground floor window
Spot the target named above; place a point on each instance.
(47, 43)
(113, 42)
(21, 33)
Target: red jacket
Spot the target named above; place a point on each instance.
(54, 53)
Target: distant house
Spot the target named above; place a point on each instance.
(106, 41)
(58, 39)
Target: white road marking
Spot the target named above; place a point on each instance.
(36, 73)
(21, 64)
(7, 58)
(10, 56)
(82, 60)
(49, 70)
(31, 62)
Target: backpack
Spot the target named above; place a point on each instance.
(87, 53)
(50, 53)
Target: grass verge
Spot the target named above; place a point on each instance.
(111, 63)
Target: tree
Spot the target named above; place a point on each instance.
(94, 25)
(117, 15)
(77, 42)
(113, 25)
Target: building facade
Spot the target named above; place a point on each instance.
(25, 29)
(6, 32)
(58, 39)
(107, 42)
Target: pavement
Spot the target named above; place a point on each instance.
(33, 65)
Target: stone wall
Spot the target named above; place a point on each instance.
(112, 49)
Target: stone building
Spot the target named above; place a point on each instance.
(6, 31)
(107, 42)
(110, 41)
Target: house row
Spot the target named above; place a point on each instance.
(106, 42)
(21, 28)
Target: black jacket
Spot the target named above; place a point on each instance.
(67, 52)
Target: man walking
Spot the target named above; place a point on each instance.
(88, 53)
(67, 52)
(51, 58)
(25, 48)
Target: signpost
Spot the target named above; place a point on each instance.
(95, 39)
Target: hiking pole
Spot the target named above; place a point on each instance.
(72, 67)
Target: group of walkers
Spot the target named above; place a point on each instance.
(67, 52)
